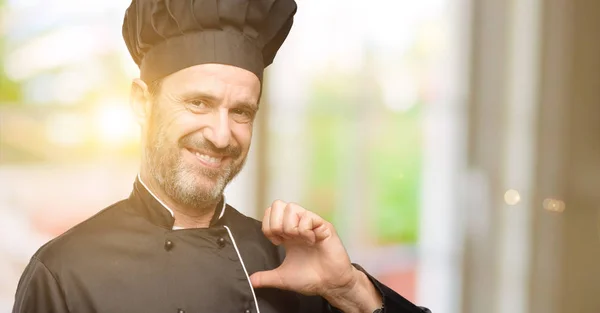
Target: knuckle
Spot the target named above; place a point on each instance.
(290, 229)
(277, 230)
(295, 207)
(304, 214)
(278, 203)
(266, 230)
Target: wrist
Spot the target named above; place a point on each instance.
(359, 296)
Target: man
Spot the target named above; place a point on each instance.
(175, 245)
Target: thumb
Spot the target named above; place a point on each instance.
(266, 279)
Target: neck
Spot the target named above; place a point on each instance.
(185, 217)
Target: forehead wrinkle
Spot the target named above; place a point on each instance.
(205, 85)
(224, 87)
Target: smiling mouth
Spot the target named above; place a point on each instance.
(208, 160)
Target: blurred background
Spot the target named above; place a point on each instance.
(455, 144)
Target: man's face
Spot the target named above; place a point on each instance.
(199, 131)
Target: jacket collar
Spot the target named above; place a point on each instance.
(146, 203)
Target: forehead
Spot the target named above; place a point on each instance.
(217, 80)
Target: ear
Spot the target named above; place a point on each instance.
(140, 101)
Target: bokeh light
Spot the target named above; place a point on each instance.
(554, 205)
(512, 197)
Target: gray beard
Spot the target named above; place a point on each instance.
(184, 184)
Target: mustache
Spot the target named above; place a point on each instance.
(201, 144)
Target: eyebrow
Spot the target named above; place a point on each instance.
(247, 106)
(208, 97)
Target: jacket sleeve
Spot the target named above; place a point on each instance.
(392, 301)
(38, 291)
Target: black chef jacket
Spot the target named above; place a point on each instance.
(128, 259)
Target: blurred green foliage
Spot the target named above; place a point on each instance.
(353, 136)
(395, 167)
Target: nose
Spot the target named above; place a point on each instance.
(218, 131)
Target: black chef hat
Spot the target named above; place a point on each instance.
(165, 36)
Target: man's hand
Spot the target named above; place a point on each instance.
(316, 261)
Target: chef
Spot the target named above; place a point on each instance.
(175, 245)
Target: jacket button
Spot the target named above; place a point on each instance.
(221, 242)
(180, 311)
(168, 245)
(247, 311)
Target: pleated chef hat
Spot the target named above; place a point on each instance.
(165, 36)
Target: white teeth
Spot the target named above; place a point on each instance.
(208, 159)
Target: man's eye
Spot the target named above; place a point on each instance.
(242, 116)
(198, 103)
(241, 112)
